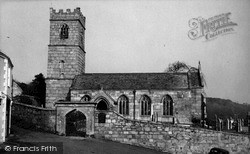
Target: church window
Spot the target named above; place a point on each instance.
(167, 105)
(145, 105)
(64, 31)
(85, 98)
(123, 105)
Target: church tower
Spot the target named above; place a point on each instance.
(66, 54)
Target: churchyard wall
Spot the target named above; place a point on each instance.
(169, 138)
(31, 117)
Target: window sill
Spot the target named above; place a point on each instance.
(167, 116)
(145, 115)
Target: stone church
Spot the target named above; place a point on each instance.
(83, 99)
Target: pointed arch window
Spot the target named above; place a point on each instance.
(85, 98)
(123, 105)
(145, 105)
(64, 31)
(167, 105)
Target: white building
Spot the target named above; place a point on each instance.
(5, 95)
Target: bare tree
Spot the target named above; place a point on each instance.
(183, 67)
(177, 67)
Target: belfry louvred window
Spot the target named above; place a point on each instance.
(64, 31)
(123, 105)
(145, 105)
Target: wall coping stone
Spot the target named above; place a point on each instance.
(34, 107)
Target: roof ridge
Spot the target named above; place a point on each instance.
(133, 73)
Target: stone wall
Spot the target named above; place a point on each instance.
(169, 138)
(57, 89)
(65, 61)
(30, 117)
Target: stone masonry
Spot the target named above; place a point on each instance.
(66, 56)
(64, 108)
(31, 117)
(186, 106)
(57, 90)
(169, 138)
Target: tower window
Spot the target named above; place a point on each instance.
(123, 105)
(61, 75)
(64, 31)
(167, 105)
(61, 68)
(145, 105)
(61, 63)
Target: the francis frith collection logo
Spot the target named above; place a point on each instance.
(211, 28)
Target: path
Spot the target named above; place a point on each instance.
(78, 145)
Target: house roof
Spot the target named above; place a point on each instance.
(5, 56)
(136, 81)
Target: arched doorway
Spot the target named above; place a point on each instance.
(102, 107)
(75, 123)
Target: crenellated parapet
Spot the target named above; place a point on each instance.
(67, 15)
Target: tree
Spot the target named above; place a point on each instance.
(177, 67)
(36, 88)
(183, 67)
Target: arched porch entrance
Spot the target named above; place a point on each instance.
(102, 107)
(75, 123)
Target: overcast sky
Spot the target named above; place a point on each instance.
(136, 36)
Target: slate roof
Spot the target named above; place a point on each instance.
(135, 81)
